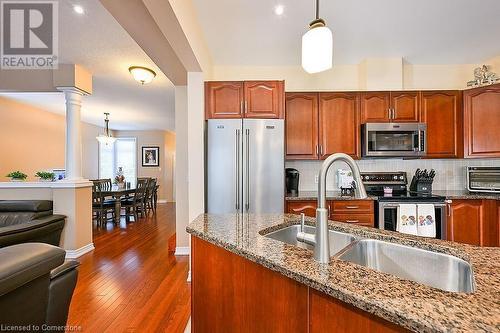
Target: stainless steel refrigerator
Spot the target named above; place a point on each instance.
(245, 166)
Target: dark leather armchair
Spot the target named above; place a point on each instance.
(23, 221)
(36, 286)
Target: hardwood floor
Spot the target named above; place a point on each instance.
(131, 282)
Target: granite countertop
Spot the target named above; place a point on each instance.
(449, 194)
(464, 194)
(412, 305)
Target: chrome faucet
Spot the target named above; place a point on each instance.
(320, 238)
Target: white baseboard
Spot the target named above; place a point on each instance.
(73, 254)
(162, 201)
(182, 251)
(189, 276)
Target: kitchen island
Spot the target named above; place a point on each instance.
(244, 281)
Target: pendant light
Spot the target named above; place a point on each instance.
(106, 138)
(317, 46)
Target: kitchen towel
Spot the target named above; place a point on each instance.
(426, 224)
(407, 221)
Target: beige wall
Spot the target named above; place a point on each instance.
(170, 165)
(153, 138)
(370, 74)
(32, 139)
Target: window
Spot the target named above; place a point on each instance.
(120, 154)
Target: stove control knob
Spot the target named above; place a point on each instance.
(401, 177)
(367, 177)
(395, 177)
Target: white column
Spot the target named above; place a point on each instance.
(73, 160)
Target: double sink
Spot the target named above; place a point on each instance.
(434, 269)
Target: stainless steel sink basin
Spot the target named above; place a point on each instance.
(338, 240)
(433, 269)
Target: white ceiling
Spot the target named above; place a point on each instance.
(96, 41)
(247, 32)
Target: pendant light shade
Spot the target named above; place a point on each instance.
(106, 138)
(317, 46)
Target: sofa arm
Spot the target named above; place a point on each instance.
(22, 263)
(30, 225)
(62, 284)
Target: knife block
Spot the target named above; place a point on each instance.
(421, 185)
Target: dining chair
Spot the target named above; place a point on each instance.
(101, 206)
(150, 195)
(134, 205)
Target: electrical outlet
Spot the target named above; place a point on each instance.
(316, 179)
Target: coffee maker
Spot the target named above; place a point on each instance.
(292, 181)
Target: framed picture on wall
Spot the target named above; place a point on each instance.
(151, 156)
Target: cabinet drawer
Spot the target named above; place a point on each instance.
(298, 207)
(359, 219)
(352, 206)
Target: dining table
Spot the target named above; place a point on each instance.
(118, 192)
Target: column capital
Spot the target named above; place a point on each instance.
(72, 90)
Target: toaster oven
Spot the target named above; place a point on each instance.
(483, 179)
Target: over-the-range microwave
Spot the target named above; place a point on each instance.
(394, 139)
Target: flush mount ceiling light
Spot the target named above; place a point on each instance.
(279, 10)
(106, 138)
(142, 74)
(317, 46)
(78, 9)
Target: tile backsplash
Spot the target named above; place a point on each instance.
(450, 174)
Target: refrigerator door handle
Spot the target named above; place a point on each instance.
(247, 187)
(237, 170)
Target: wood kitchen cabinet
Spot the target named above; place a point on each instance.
(339, 126)
(393, 106)
(308, 207)
(442, 112)
(375, 107)
(248, 99)
(224, 99)
(301, 122)
(258, 299)
(360, 212)
(482, 122)
(264, 99)
(405, 106)
(320, 124)
(473, 222)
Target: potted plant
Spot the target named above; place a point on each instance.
(45, 176)
(17, 176)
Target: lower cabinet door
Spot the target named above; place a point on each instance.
(473, 222)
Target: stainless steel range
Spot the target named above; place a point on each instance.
(391, 188)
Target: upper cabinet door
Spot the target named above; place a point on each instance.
(405, 106)
(442, 112)
(301, 126)
(482, 122)
(264, 99)
(339, 126)
(223, 99)
(375, 107)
